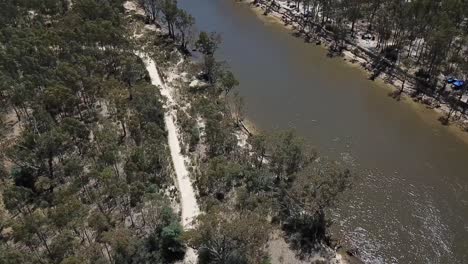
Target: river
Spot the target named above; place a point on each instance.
(409, 203)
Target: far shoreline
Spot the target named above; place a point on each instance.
(454, 127)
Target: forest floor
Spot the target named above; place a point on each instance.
(14, 128)
(357, 54)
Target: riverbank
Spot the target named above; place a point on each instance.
(179, 73)
(410, 184)
(402, 83)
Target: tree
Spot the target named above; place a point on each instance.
(303, 205)
(238, 239)
(148, 104)
(170, 12)
(171, 243)
(353, 11)
(184, 23)
(59, 100)
(218, 177)
(11, 255)
(152, 8)
(132, 70)
(227, 82)
(77, 131)
(259, 146)
(212, 69)
(238, 104)
(17, 199)
(51, 144)
(123, 244)
(62, 246)
(208, 43)
(220, 136)
(288, 155)
(119, 106)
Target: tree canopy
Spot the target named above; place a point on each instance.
(89, 167)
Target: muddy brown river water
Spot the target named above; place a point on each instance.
(409, 203)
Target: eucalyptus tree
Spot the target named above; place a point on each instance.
(240, 238)
(152, 8)
(185, 25)
(170, 11)
(207, 44)
(303, 205)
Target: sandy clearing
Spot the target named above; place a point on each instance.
(132, 6)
